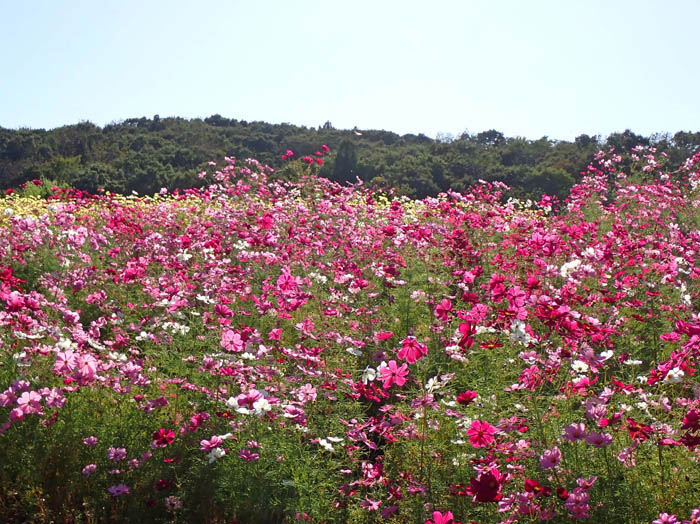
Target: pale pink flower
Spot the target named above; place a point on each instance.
(116, 454)
(599, 440)
(575, 432)
(665, 518)
(550, 458)
(208, 445)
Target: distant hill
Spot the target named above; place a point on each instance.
(146, 154)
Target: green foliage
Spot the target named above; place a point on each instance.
(144, 155)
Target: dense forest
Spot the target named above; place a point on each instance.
(146, 154)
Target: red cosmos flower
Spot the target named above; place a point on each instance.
(468, 330)
(562, 493)
(466, 397)
(9, 191)
(162, 484)
(307, 160)
(412, 350)
(288, 154)
(163, 437)
(481, 434)
(532, 486)
(691, 420)
(319, 161)
(37, 182)
(491, 344)
(325, 148)
(640, 432)
(487, 486)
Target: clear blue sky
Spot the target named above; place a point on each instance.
(526, 68)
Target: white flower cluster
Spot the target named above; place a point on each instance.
(175, 328)
(570, 267)
(327, 443)
(519, 335)
(674, 376)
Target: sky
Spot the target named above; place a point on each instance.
(526, 68)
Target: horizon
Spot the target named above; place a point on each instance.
(531, 71)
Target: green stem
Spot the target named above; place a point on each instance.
(663, 476)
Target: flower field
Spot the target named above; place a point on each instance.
(267, 351)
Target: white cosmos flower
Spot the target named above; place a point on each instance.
(433, 384)
(215, 454)
(368, 375)
(579, 366)
(605, 355)
(261, 406)
(325, 444)
(354, 351)
(674, 376)
(569, 268)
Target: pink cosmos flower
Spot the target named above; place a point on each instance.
(118, 490)
(90, 441)
(442, 310)
(385, 335)
(665, 518)
(53, 397)
(550, 458)
(575, 432)
(116, 454)
(481, 434)
(694, 517)
(173, 503)
(30, 402)
(599, 440)
(208, 445)
(392, 374)
(370, 505)
(232, 341)
(412, 350)
(248, 455)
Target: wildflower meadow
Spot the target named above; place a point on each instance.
(259, 350)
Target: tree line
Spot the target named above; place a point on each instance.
(147, 154)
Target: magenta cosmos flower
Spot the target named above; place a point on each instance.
(163, 437)
(481, 434)
(392, 374)
(441, 518)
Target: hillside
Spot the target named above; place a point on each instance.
(144, 155)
